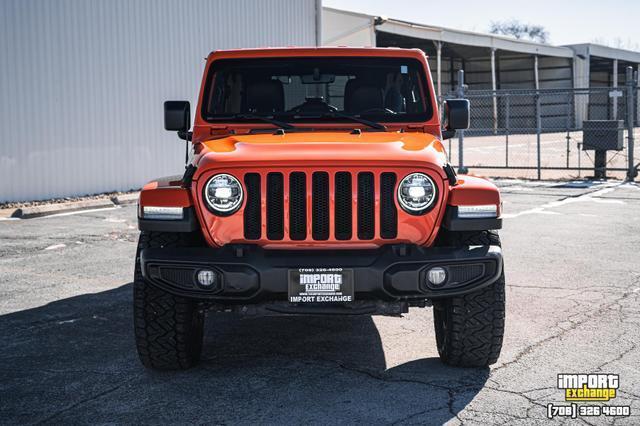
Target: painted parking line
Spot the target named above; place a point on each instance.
(591, 196)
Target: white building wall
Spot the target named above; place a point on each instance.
(342, 28)
(82, 83)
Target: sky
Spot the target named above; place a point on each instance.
(615, 22)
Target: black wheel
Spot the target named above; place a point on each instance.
(168, 328)
(470, 328)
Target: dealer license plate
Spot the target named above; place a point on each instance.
(321, 285)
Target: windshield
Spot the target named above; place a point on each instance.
(311, 89)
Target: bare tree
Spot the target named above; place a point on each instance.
(520, 30)
(618, 43)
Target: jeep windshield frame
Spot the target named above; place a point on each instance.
(317, 89)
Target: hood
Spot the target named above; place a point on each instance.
(322, 148)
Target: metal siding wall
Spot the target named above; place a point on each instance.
(341, 28)
(82, 84)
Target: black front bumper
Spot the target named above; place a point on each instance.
(251, 275)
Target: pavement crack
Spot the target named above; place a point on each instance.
(382, 376)
(618, 357)
(563, 331)
(452, 391)
(418, 414)
(450, 401)
(83, 401)
(498, 413)
(631, 394)
(533, 403)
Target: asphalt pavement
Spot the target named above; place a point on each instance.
(572, 259)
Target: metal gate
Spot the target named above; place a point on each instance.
(525, 133)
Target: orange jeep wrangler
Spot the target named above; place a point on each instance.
(319, 185)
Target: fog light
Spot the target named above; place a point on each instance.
(207, 278)
(437, 276)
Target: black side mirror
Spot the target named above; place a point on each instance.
(448, 134)
(456, 114)
(177, 116)
(185, 135)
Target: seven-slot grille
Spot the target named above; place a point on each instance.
(352, 192)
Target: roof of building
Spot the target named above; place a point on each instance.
(591, 49)
(485, 40)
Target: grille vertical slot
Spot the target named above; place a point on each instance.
(275, 206)
(320, 206)
(297, 206)
(388, 211)
(343, 206)
(366, 201)
(252, 213)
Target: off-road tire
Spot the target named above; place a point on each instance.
(470, 328)
(168, 328)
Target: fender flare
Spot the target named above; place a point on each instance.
(472, 191)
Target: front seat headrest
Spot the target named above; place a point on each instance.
(265, 97)
(360, 96)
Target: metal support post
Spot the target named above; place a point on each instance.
(507, 125)
(630, 83)
(600, 164)
(568, 126)
(439, 69)
(536, 77)
(494, 87)
(614, 99)
(461, 168)
(538, 133)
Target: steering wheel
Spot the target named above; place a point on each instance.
(374, 110)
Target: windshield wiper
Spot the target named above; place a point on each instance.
(336, 114)
(266, 119)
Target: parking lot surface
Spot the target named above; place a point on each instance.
(572, 259)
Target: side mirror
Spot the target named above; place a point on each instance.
(448, 134)
(177, 116)
(456, 114)
(185, 135)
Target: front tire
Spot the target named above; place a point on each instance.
(168, 328)
(470, 328)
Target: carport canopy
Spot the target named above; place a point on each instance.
(490, 62)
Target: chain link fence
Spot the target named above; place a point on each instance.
(550, 133)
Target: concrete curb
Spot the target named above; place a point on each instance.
(49, 209)
(71, 206)
(7, 213)
(126, 198)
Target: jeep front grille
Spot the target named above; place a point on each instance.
(366, 219)
(297, 206)
(388, 212)
(252, 210)
(275, 206)
(320, 213)
(304, 211)
(343, 206)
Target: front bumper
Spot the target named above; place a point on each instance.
(251, 275)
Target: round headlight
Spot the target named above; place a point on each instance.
(223, 194)
(416, 193)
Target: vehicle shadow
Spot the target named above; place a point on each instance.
(74, 360)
